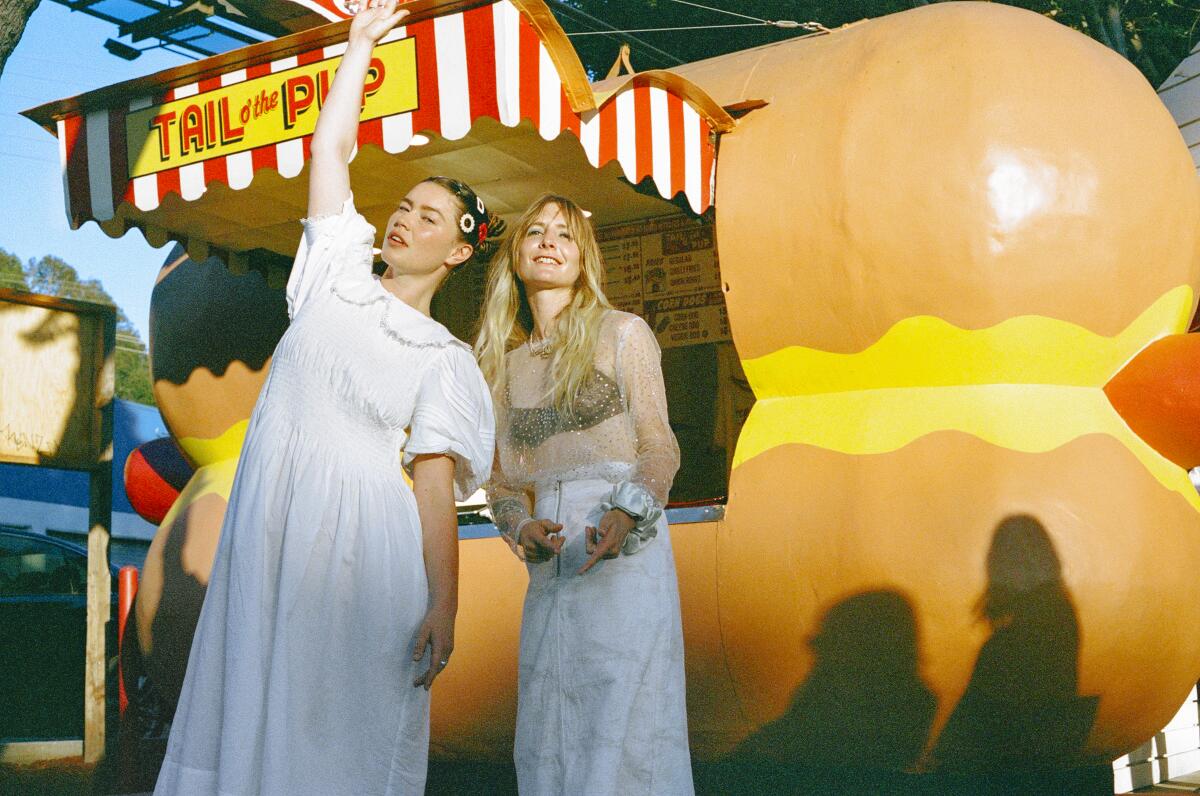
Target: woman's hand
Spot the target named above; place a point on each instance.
(606, 540)
(375, 20)
(540, 539)
(437, 633)
(337, 124)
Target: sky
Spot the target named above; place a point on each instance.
(61, 55)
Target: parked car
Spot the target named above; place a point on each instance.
(43, 627)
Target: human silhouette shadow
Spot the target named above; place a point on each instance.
(861, 717)
(1021, 710)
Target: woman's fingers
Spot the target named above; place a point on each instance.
(437, 662)
(605, 546)
(422, 641)
(439, 656)
(596, 555)
(610, 535)
(424, 638)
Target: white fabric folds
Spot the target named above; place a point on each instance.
(299, 681)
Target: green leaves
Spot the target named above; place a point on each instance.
(55, 277)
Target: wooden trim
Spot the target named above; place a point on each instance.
(716, 116)
(99, 578)
(562, 53)
(56, 303)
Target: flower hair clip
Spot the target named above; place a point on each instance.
(466, 223)
(475, 222)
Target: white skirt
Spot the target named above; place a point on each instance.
(299, 681)
(601, 702)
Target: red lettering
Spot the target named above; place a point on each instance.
(191, 130)
(322, 88)
(162, 123)
(210, 124)
(298, 95)
(375, 75)
(229, 133)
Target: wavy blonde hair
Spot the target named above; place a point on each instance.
(507, 319)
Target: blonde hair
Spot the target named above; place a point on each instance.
(507, 319)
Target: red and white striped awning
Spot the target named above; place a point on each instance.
(505, 60)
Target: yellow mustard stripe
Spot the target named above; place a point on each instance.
(1031, 418)
(213, 479)
(1030, 384)
(210, 451)
(925, 351)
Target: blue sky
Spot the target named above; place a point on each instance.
(61, 55)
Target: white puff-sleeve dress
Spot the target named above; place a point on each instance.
(300, 674)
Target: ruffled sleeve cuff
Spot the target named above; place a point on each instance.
(453, 417)
(334, 248)
(636, 501)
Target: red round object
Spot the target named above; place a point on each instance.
(154, 475)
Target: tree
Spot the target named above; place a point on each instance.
(12, 275)
(13, 16)
(55, 277)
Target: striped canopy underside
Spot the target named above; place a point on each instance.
(487, 62)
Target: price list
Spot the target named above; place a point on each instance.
(666, 271)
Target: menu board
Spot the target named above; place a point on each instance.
(665, 270)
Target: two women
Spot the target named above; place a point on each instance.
(331, 605)
(585, 459)
(330, 610)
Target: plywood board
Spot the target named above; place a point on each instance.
(55, 379)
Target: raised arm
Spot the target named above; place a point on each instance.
(337, 126)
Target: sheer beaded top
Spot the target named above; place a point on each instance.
(617, 429)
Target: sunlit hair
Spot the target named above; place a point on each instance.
(469, 203)
(507, 320)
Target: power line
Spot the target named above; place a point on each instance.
(815, 27)
(27, 157)
(718, 10)
(581, 13)
(665, 30)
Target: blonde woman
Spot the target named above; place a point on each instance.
(331, 605)
(585, 459)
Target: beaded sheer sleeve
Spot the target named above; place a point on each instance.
(617, 429)
(639, 371)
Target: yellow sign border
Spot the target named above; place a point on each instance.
(226, 120)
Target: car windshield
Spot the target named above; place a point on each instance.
(29, 567)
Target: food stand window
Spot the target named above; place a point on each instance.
(213, 154)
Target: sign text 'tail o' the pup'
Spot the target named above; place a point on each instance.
(264, 110)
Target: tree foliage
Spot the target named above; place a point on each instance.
(54, 277)
(1154, 34)
(12, 273)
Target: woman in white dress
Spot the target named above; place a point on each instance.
(330, 608)
(585, 459)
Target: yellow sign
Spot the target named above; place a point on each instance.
(264, 110)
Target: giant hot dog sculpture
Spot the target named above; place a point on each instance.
(959, 252)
